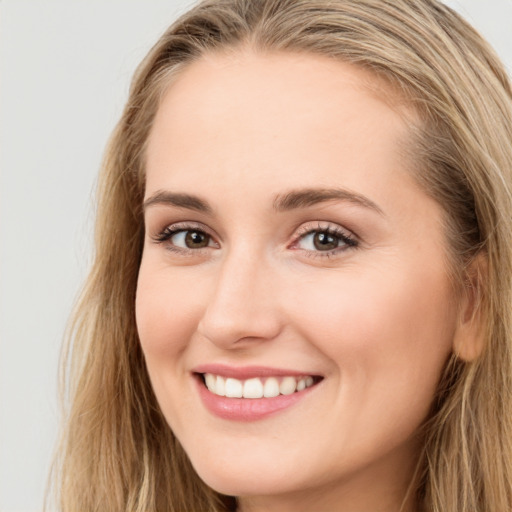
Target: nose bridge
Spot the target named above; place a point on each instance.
(242, 305)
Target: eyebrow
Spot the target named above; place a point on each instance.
(292, 200)
(180, 200)
(312, 196)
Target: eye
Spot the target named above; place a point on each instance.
(182, 238)
(327, 240)
(190, 239)
(320, 241)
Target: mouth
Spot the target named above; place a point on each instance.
(251, 393)
(257, 387)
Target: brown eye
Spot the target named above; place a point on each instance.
(324, 241)
(196, 239)
(185, 239)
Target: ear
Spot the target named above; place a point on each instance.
(469, 339)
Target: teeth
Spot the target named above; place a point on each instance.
(288, 386)
(210, 380)
(271, 388)
(233, 388)
(253, 388)
(256, 387)
(220, 386)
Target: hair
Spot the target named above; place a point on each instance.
(117, 452)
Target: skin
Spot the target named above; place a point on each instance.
(377, 320)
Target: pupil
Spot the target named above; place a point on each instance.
(196, 240)
(325, 241)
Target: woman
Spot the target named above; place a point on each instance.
(300, 299)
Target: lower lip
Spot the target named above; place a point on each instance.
(248, 409)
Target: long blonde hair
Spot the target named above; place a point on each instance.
(117, 452)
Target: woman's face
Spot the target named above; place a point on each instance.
(289, 251)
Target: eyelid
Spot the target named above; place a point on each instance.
(182, 225)
(163, 235)
(320, 225)
(349, 239)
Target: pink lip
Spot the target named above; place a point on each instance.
(247, 372)
(246, 409)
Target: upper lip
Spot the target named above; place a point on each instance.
(249, 372)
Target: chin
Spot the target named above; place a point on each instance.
(240, 479)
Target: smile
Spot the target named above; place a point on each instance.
(251, 393)
(267, 387)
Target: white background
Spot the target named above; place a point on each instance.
(65, 67)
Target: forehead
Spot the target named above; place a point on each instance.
(245, 117)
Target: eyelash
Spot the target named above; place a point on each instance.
(169, 231)
(346, 240)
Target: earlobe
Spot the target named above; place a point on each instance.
(469, 339)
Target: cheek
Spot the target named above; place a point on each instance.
(367, 308)
(388, 332)
(167, 312)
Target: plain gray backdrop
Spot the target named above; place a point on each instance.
(65, 69)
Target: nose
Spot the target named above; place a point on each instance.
(243, 306)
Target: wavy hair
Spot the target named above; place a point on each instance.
(117, 453)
